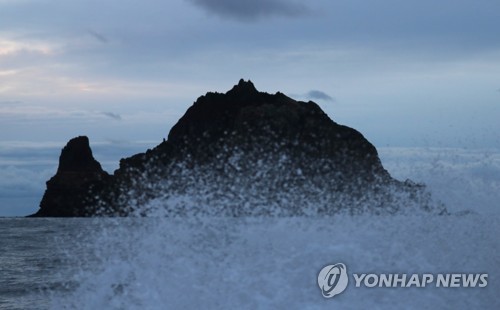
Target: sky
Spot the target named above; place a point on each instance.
(404, 73)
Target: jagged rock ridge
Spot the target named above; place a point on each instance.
(244, 152)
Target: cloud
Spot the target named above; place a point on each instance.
(19, 181)
(112, 115)
(10, 102)
(319, 95)
(13, 111)
(8, 72)
(99, 37)
(250, 10)
(14, 47)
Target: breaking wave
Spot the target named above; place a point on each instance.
(279, 183)
(158, 262)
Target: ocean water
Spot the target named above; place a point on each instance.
(267, 263)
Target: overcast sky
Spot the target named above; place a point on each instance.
(404, 73)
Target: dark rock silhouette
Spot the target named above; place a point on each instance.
(244, 152)
(246, 118)
(69, 192)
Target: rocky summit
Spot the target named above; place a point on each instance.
(244, 152)
(78, 175)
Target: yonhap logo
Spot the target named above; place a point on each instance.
(332, 280)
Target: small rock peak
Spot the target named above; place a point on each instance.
(80, 141)
(244, 87)
(77, 156)
(243, 83)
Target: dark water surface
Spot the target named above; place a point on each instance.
(32, 260)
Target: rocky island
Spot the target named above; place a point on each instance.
(240, 153)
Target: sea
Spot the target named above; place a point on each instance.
(270, 263)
